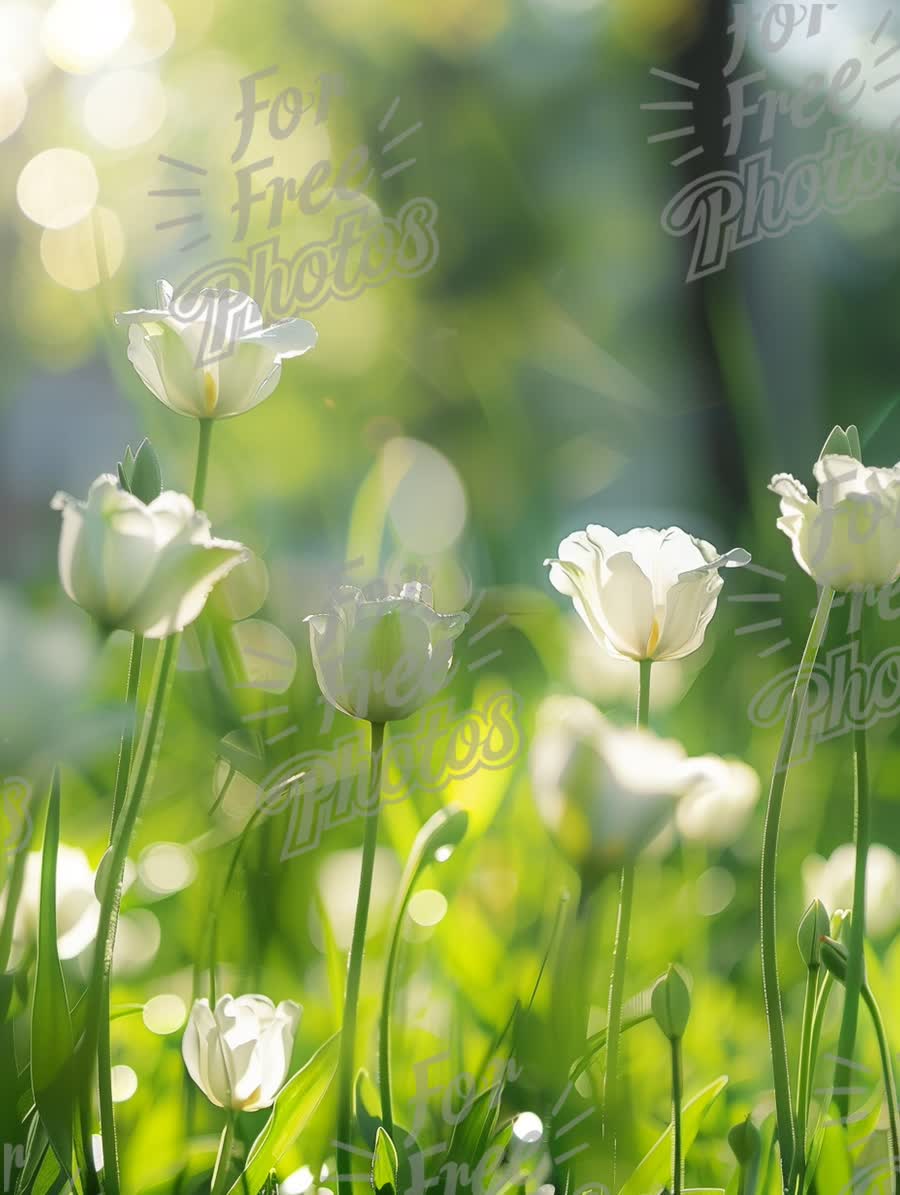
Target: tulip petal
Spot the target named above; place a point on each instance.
(180, 585)
(689, 608)
(626, 610)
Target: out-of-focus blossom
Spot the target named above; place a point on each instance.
(77, 908)
(602, 792)
(238, 1053)
(831, 881)
(142, 568)
(207, 354)
(644, 595)
(720, 797)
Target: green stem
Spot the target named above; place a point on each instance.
(121, 840)
(890, 1091)
(384, 1028)
(768, 879)
(223, 1158)
(104, 1048)
(856, 945)
(354, 972)
(804, 1070)
(126, 746)
(199, 492)
(677, 1095)
(623, 927)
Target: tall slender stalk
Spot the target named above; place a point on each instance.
(354, 971)
(890, 1091)
(768, 878)
(223, 1158)
(804, 1069)
(199, 491)
(856, 945)
(677, 1097)
(104, 1050)
(620, 949)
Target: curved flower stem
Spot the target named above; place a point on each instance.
(677, 1095)
(223, 1158)
(856, 945)
(620, 950)
(890, 1091)
(126, 746)
(354, 971)
(199, 491)
(768, 879)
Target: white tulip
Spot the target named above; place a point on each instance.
(644, 595)
(207, 354)
(602, 792)
(238, 1053)
(382, 658)
(147, 569)
(720, 797)
(849, 539)
(831, 881)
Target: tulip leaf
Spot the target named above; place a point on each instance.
(296, 1103)
(652, 1171)
(473, 1133)
(52, 1036)
(385, 1164)
(634, 1012)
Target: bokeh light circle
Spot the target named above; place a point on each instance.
(165, 1014)
(57, 187)
(125, 108)
(13, 102)
(81, 35)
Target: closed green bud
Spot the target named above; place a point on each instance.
(744, 1141)
(140, 474)
(834, 958)
(842, 442)
(670, 1002)
(814, 925)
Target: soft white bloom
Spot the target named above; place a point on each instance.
(147, 569)
(238, 1053)
(77, 908)
(644, 595)
(207, 353)
(603, 792)
(720, 797)
(849, 539)
(382, 659)
(831, 881)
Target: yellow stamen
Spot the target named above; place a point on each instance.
(654, 639)
(210, 392)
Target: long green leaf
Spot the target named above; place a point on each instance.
(296, 1103)
(652, 1171)
(634, 1012)
(385, 1164)
(52, 1037)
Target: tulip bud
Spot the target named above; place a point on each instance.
(238, 1053)
(834, 957)
(814, 925)
(670, 1002)
(744, 1141)
(842, 442)
(140, 474)
(382, 659)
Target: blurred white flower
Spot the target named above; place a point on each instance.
(644, 595)
(602, 792)
(77, 908)
(382, 659)
(849, 538)
(720, 797)
(831, 881)
(207, 354)
(136, 567)
(238, 1053)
